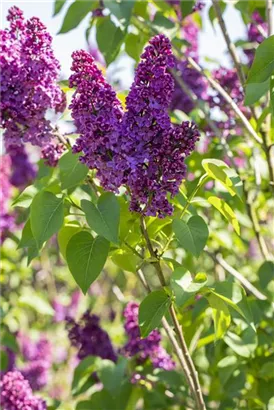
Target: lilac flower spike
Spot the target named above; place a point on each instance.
(97, 113)
(140, 148)
(29, 73)
(16, 393)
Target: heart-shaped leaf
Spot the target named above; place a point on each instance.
(151, 311)
(226, 211)
(86, 258)
(46, 216)
(72, 172)
(103, 218)
(191, 235)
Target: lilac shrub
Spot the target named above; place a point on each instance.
(7, 219)
(23, 171)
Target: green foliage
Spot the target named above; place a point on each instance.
(152, 310)
(221, 315)
(226, 211)
(192, 235)
(76, 13)
(109, 38)
(263, 64)
(86, 258)
(46, 216)
(185, 286)
(72, 172)
(186, 7)
(58, 5)
(104, 218)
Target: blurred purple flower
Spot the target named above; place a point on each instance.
(16, 393)
(147, 348)
(89, 338)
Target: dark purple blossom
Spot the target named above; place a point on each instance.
(52, 152)
(16, 393)
(29, 73)
(147, 348)
(37, 373)
(97, 113)
(89, 338)
(140, 148)
(22, 170)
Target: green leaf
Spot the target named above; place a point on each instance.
(72, 172)
(36, 302)
(109, 39)
(4, 360)
(27, 241)
(266, 278)
(76, 13)
(192, 235)
(272, 93)
(212, 15)
(216, 169)
(9, 340)
(64, 235)
(254, 91)
(221, 315)
(134, 45)
(25, 197)
(266, 371)
(86, 258)
(163, 25)
(46, 216)
(226, 211)
(112, 374)
(263, 64)
(122, 10)
(184, 286)
(243, 345)
(126, 260)
(187, 7)
(58, 5)
(151, 311)
(81, 373)
(104, 218)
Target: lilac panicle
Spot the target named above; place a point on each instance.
(29, 73)
(22, 170)
(143, 349)
(16, 393)
(52, 152)
(38, 358)
(90, 339)
(150, 143)
(97, 113)
(138, 148)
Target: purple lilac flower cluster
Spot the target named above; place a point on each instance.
(38, 356)
(97, 113)
(16, 393)
(52, 152)
(7, 219)
(61, 312)
(29, 80)
(140, 148)
(89, 338)
(254, 35)
(22, 170)
(143, 349)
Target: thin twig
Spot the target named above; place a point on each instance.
(189, 365)
(246, 284)
(231, 47)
